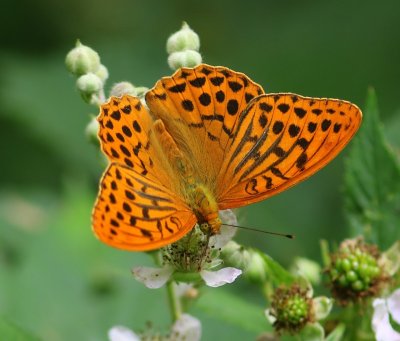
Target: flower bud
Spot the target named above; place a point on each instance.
(188, 58)
(255, 270)
(355, 272)
(123, 88)
(235, 255)
(89, 83)
(184, 39)
(292, 309)
(91, 130)
(82, 59)
(102, 73)
(308, 269)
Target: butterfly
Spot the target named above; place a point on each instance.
(207, 139)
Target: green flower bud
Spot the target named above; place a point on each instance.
(354, 271)
(308, 269)
(188, 58)
(184, 39)
(82, 59)
(102, 73)
(255, 270)
(89, 84)
(91, 131)
(292, 309)
(123, 88)
(126, 88)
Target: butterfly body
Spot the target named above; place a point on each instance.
(198, 197)
(208, 139)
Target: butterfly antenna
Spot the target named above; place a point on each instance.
(290, 236)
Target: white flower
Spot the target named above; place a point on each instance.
(226, 232)
(381, 320)
(155, 278)
(186, 328)
(121, 333)
(223, 276)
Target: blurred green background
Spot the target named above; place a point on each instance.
(56, 279)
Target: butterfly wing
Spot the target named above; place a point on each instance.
(200, 108)
(135, 213)
(280, 140)
(138, 207)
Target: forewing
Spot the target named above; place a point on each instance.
(280, 140)
(125, 134)
(200, 108)
(135, 213)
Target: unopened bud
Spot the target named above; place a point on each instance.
(102, 73)
(91, 131)
(188, 58)
(89, 83)
(184, 39)
(82, 59)
(123, 88)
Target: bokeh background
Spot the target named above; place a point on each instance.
(56, 280)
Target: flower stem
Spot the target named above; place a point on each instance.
(325, 252)
(174, 301)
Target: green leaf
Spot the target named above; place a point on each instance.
(275, 272)
(9, 331)
(224, 306)
(393, 323)
(372, 182)
(337, 333)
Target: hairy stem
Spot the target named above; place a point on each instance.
(174, 301)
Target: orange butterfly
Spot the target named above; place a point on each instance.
(210, 139)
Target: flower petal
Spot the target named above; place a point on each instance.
(226, 233)
(228, 217)
(152, 278)
(271, 318)
(393, 303)
(121, 333)
(220, 277)
(322, 307)
(381, 324)
(186, 328)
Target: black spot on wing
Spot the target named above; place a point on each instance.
(283, 108)
(178, 88)
(198, 82)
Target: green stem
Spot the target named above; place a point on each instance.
(174, 301)
(325, 252)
